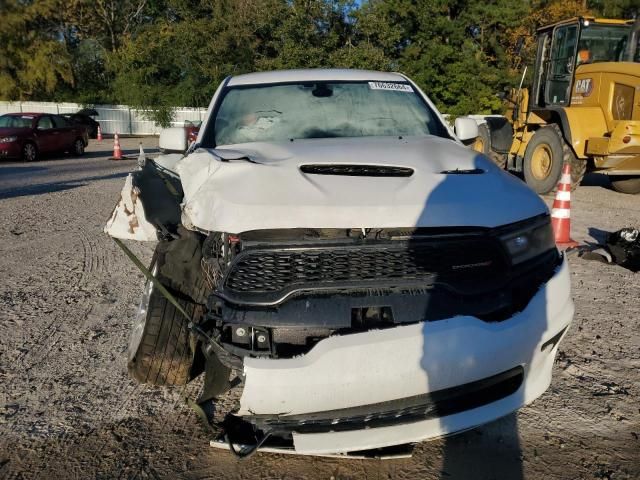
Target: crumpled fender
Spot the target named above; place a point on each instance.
(128, 220)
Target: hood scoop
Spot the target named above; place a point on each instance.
(356, 170)
(469, 171)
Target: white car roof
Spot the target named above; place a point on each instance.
(318, 74)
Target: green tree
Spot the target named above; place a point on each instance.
(454, 49)
(165, 53)
(181, 58)
(34, 61)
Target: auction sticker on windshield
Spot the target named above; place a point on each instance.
(396, 87)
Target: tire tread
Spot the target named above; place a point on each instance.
(164, 355)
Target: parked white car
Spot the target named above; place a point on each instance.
(329, 240)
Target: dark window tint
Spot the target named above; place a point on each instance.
(60, 122)
(561, 64)
(13, 121)
(45, 123)
(603, 43)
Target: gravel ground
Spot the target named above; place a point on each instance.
(68, 409)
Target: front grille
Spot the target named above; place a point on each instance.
(407, 410)
(468, 264)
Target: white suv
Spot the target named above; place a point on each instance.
(328, 239)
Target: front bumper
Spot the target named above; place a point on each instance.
(10, 150)
(343, 372)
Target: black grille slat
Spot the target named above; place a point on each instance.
(274, 272)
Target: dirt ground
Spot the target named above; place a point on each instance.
(68, 410)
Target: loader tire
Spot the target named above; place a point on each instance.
(483, 145)
(160, 349)
(546, 153)
(625, 184)
(483, 140)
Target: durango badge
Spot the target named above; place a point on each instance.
(584, 86)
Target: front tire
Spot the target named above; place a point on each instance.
(29, 152)
(625, 184)
(546, 153)
(483, 140)
(160, 348)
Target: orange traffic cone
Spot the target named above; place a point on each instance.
(561, 211)
(99, 134)
(117, 153)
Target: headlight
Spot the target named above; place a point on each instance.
(529, 241)
(8, 139)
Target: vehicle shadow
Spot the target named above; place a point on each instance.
(593, 179)
(106, 153)
(469, 351)
(55, 186)
(20, 168)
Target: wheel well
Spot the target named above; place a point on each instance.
(558, 117)
(501, 132)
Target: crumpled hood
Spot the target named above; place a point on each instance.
(261, 186)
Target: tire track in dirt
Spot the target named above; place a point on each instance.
(95, 261)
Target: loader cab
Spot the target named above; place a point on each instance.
(633, 48)
(564, 46)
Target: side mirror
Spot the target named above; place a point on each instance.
(173, 139)
(466, 128)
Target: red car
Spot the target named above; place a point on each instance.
(27, 135)
(193, 128)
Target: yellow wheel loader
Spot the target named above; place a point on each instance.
(583, 108)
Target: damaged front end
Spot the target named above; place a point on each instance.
(331, 328)
(370, 282)
(338, 332)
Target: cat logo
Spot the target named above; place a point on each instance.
(584, 86)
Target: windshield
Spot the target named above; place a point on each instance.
(275, 113)
(15, 122)
(602, 43)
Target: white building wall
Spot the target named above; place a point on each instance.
(112, 118)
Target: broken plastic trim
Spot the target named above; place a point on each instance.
(242, 454)
(553, 341)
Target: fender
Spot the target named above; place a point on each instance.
(578, 125)
(149, 205)
(501, 132)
